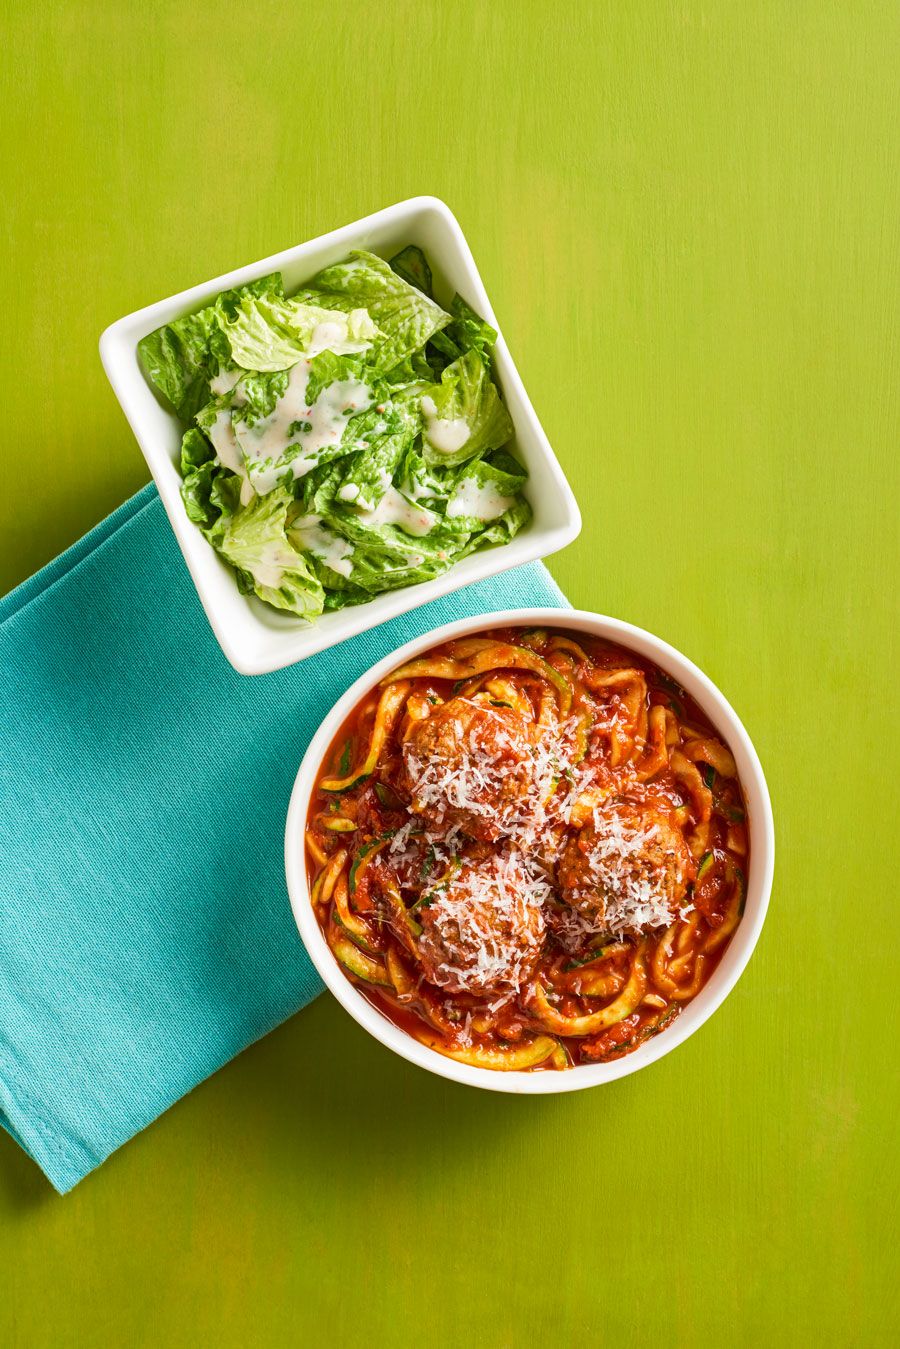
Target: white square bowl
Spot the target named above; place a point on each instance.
(254, 637)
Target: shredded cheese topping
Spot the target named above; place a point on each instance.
(632, 871)
(521, 789)
(475, 764)
(483, 929)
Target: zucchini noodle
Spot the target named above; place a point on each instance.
(389, 705)
(623, 1005)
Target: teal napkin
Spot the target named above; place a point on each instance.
(145, 931)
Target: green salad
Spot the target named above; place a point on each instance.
(344, 440)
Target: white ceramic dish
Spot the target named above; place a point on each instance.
(759, 881)
(254, 637)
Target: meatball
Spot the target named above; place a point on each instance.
(627, 870)
(483, 929)
(470, 764)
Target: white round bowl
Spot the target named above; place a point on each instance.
(759, 881)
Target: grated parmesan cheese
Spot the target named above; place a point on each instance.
(484, 928)
(627, 870)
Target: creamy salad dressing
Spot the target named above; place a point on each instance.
(333, 335)
(447, 434)
(379, 487)
(394, 509)
(478, 501)
(224, 441)
(228, 452)
(268, 569)
(225, 381)
(416, 490)
(315, 538)
(325, 335)
(264, 443)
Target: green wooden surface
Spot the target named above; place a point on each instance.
(687, 218)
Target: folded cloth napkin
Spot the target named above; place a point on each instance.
(145, 931)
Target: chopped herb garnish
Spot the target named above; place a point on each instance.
(388, 797)
(669, 684)
(428, 863)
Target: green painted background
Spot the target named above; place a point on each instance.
(686, 215)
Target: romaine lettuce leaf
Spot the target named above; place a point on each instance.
(386, 554)
(405, 316)
(441, 349)
(195, 450)
(316, 490)
(272, 334)
(368, 473)
(421, 481)
(413, 369)
(331, 367)
(255, 396)
(412, 265)
(343, 599)
(464, 415)
(229, 301)
(482, 494)
(385, 557)
(470, 332)
(287, 423)
(503, 529)
(183, 356)
(254, 539)
(196, 494)
(467, 332)
(225, 495)
(375, 572)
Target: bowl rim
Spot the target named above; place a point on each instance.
(762, 857)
